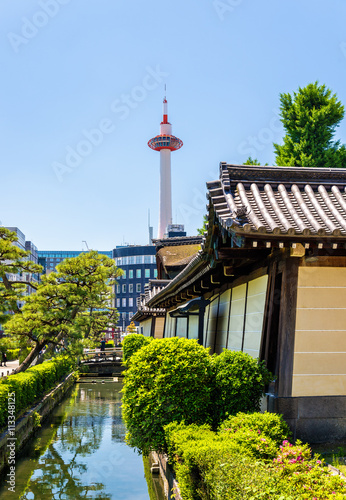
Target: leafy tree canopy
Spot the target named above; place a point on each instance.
(253, 161)
(202, 229)
(310, 118)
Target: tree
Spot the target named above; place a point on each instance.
(69, 305)
(131, 328)
(202, 230)
(310, 118)
(254, 161)
(16, 273)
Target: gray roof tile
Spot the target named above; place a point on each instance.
(280, 200)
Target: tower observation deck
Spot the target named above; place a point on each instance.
(165, 143)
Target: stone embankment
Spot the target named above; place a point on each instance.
(27, 423)
(159, 465)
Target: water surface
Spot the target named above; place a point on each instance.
(80, 452)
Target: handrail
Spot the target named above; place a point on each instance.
(107, 349)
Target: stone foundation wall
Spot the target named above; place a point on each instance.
(313, 419)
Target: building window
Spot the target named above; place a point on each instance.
(155, 273)
(124, 275)
(124, 288)
(131, 260)
(123, 302)
(118, 261)
(130, 315)
(139, 259)
(118, 303)
(147, 259)
(138, 273)
(130, 288)
(130, 302)
(130, 274)
(118, 288)
(138, 288)
(147, 273)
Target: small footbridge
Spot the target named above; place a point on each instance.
(107, 363)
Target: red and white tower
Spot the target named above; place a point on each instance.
(165, 143)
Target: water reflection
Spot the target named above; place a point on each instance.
(80, 453)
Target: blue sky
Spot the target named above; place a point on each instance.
(89, 76)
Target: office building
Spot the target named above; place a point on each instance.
(49, 259)
(139, 266)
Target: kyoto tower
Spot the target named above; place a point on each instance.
(165, 143)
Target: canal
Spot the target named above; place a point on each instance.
(80, 453)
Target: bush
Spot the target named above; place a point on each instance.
(187, 448)
(227, 465)
(270, 424)
(109, 344)
(167, 380)
(132, 343)
(239, 383)
(31, 385)
(12, 354)
(209, 465)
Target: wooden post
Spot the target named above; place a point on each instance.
(287, 325)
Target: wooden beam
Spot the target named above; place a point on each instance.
(287, 326)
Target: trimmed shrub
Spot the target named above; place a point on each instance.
(3, 405)
(167, 380)
(31, 385)
(271, 425)
(109, 344)
(227, 466)
(208, 464)
(18, 353)
(239, 383)
(132, 343)
(12, 354)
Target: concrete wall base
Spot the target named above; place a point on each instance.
(27, 424)
(313, 419)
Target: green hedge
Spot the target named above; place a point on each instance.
(176, 379)
(240, 462)
(12, 354)
(167, 380)
(269, 424)
(132, 343)
(239, 383)
(31, 385)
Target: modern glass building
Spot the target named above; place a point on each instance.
(139, 265)
(49, 259)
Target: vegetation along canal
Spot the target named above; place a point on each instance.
(80, 452)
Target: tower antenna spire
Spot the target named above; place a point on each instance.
(165, 143)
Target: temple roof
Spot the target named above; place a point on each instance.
(283, 201)
(255, 210)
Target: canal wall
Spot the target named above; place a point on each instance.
(159, 464)
(27, 424)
